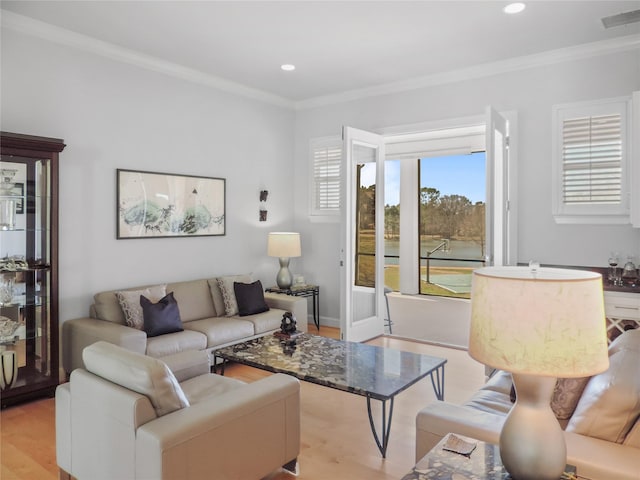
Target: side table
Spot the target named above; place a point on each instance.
(303, 291)
(482, 464)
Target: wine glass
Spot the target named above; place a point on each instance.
(613, 264)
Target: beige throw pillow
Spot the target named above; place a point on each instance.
(610, 403)
(566, 396)
(228, 293)
(129, 301)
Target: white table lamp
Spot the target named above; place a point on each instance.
(539, 324)
(284, 245)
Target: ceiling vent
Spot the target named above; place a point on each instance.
(621, 19)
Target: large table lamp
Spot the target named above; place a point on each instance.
(540, 324)
(284, 245)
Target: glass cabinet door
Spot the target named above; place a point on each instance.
(28, 274)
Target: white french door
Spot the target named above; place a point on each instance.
(497, 174)
(362, 249)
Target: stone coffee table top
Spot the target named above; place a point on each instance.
(376, 372)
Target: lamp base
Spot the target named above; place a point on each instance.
(284, 279)
(532, 445)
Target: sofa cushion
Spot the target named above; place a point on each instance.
(175, 342)
(205, 387)
(610, 403)
(129, 301)
(225, 285)
(194, 299)
(188, 364)
(222, 330)
(161, 317)
(493, 396)
(140, 373)
(250, 298)
(266, 321)
(633, 437)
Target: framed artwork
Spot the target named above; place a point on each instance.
(155, 205)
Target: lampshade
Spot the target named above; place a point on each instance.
(283, 244)
(544, 321)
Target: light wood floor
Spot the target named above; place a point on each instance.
(336, 438)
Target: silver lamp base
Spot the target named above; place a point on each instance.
(532, 445)
(284, 279)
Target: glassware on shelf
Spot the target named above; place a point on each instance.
(613, 268)
(6, 290)
(629, 273)
(8, 199)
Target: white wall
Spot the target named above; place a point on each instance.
(113, 115)
(531, 93)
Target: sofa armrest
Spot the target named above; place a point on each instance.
(598, 459)
(290, 303)
(439, 418)
(63, 426)
(595, 459)
(79, 333)
(215, 435)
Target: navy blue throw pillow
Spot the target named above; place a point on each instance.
(250, 298)
(162, 317)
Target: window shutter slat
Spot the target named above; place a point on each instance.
(326, 179)
(592, 160)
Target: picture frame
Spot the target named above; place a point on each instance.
(160, 205)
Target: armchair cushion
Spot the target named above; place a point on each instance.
(140, 373)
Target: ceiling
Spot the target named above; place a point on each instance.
(337, 46)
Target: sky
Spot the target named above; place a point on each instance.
(452, 175)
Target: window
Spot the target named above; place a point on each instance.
(590, 162)
(437, 192)
(451, 221)
(326, 157)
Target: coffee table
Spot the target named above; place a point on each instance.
(376, 373)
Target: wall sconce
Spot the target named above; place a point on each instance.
(263, 205)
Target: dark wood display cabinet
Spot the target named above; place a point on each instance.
(28, 267)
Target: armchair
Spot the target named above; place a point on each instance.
(127, 417)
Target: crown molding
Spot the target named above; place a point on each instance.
(92, 45)
(62, 36)
(578, 52)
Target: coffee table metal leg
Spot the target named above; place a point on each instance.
(438, 382)
(215, 364)
(385, 427)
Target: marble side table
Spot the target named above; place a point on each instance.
(482, 464)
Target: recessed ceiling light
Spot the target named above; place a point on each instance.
(287, 67)
(514, 8)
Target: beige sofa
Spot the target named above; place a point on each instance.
(203, 311)
(127, 416)
(600, 415)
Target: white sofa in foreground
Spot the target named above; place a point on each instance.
(601, 417)
(209, 318)
(126, 417)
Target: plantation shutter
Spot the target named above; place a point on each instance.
(326, 160)
(592, 160)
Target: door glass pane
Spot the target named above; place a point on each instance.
(365, 239)
(392, 224)
(451, 222)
